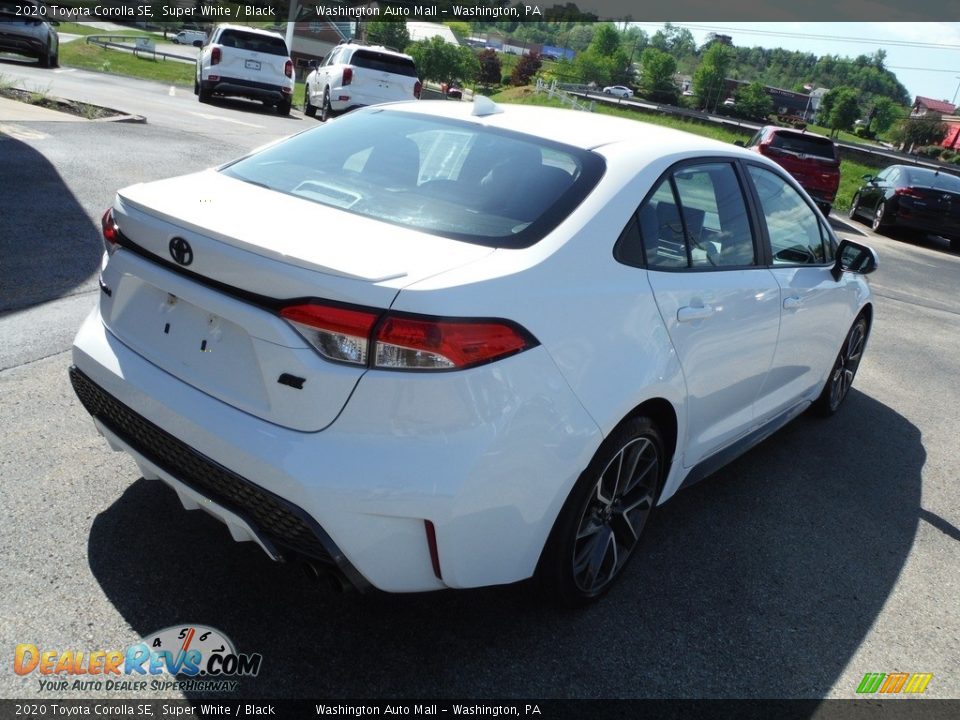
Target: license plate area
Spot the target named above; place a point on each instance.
(199, 347)
(252, 64)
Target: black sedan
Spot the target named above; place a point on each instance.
(913, 198)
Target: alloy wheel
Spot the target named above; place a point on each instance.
(615, 514)
(845, 368)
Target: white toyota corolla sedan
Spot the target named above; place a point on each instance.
(449, 345)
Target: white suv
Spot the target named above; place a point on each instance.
(246, 62)
(354, 75)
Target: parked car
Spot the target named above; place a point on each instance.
(729, 103)
(368, 352)
(913, 198)
(243, 61)
(25, 31)
(813, 160)
(618, 91)
(196, 38)
(355, 75)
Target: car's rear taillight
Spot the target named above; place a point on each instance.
(414, 343)
(347, 76)
(417, 88)
(111, 233)
(909, 192)
(395, 341)
(288, 68)
(338, 333)
(215, 56)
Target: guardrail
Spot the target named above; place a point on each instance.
(137, 44)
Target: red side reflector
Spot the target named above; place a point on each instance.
(432, 545)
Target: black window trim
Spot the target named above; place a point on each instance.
(761, 244)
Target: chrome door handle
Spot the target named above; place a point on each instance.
(792, 303)
(689, 314)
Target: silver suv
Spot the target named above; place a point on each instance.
(24, 30)
(354, 75)
(243, 61)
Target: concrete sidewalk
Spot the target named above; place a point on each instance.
(16, 111)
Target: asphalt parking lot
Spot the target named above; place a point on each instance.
(829, 551)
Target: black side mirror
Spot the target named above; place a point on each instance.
(854, 257)
(313, 64)
(869, 178)
(739, 143)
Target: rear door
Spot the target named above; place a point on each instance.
(383, 77)
(720, 305)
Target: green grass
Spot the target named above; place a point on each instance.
(84, 29)
(851, 172)
(119, 62)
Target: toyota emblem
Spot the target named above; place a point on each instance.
(181, 251)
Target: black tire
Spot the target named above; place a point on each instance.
(45, 59)
(854, 207)
(595, 535)
(825, 208)
(283, 107)
(844, 369)
(879, 223)
(308, 109)
(326, 112)
(206, 92)
(196, 87)
(955, 245)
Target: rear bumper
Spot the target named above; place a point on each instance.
(236, 87)
(22, 44)
(487, 455)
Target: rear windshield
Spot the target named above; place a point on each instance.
(253, 42)
(384, 63)
(804, 144)
(445, 177)
(931, 179)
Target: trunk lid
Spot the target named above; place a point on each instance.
(213, 321)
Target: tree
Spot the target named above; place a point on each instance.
(525, 69)
(885, 112)
(927, 129)
(606, 40)
(843, 108)
(710, 78)
(490, 68)
(753, 102)
(656, 75)
(390, 34)
(442, 62)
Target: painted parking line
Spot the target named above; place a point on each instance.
(208, 116)
(172, 92)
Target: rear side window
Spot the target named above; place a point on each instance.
(383, 62)
(804, 145)
(696, 218)
(253, 42)
(446, 177)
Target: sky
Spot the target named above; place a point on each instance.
(924, 56)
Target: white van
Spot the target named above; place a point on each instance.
(190, 37)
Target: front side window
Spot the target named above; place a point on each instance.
(697, 218)
(446, 177)
(797, 236)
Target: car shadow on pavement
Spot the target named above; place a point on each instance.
(761, 581)
(48, 244)
(249, 106)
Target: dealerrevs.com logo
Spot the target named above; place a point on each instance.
(182, 657)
